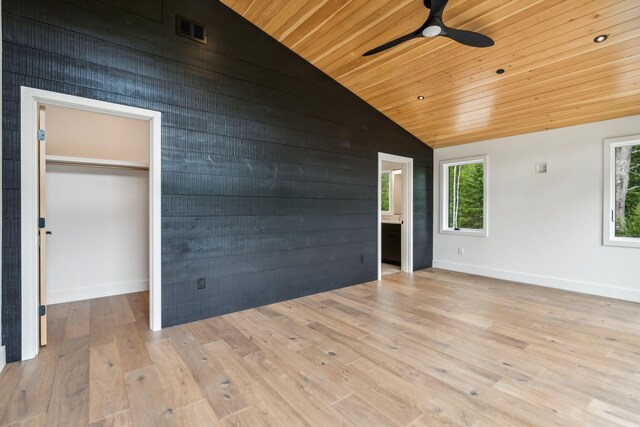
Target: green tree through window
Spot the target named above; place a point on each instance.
(627, 200)
(385, 191)
(466, 196)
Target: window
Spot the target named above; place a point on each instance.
(386, 192)
(621, 215)
(464, 196)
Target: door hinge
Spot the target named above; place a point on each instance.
(42, 310)
(41, 223)
(41, 134)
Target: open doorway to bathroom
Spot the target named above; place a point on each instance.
(395, 214)
(391, 217)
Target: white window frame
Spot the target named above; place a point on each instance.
(608, 206)
(391, 210)
(444, 199)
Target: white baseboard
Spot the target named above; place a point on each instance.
(549, 282)
(3, 358)
(105, 290)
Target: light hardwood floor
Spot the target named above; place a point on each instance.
(429, 349)
(386, 269)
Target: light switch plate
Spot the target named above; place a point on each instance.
(542, 167)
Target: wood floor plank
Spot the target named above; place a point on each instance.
(275, 334)
(120, 419)
(215, 384)
(139, 305)
(296, 392)
(359, 413)
(69, 404)
(56, 311)
(317, 315)
(203, 332)
(246, 418)
(107, 394)
(428, 420)
(231, 335)
(78, 321)
(121, 310)
(327, 388)
(395, 406)
(37, 421)
(101, 325)
(197, 414)
(133, 352)
(333, 348)
(32, 393)
(612, 413)
(11, 375)
(259, 393)
(182, 389)
(147, 399)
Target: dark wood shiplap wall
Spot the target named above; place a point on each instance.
(269, 167)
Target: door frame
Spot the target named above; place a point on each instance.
(407, 212)
(31, 99)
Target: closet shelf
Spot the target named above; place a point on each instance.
(86, 161)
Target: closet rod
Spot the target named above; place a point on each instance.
(101, 163)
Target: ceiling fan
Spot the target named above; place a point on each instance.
(435, 27)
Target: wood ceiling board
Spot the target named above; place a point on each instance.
(545, 79)
(555, 75)
(549, 122)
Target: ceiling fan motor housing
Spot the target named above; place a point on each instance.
(432, 31)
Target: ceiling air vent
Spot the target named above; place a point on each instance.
(191, 30)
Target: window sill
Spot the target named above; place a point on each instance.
(465, 232)
(622, 242)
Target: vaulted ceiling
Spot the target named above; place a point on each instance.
(555, 75)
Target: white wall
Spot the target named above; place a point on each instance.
(397, 193)
(397, 184)
(78, 133)
(544, 229)
(100, 225)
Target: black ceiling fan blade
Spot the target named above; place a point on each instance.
(437, 7)
(469, 38)
(391, 44)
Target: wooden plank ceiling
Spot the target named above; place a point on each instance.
(555, 75)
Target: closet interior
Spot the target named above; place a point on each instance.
(97, 204)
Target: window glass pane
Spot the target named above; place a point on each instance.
(627, 192)
(385, 191)
(466, 196)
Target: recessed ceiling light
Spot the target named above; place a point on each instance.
(601, 38)
(420, 98)
(500, 71)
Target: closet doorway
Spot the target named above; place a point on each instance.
(90, 206)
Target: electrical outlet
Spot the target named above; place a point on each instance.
(202, 283)
(542, 167)
(460, 251)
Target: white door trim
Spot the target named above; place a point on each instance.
(407, 212)
(30, 101)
